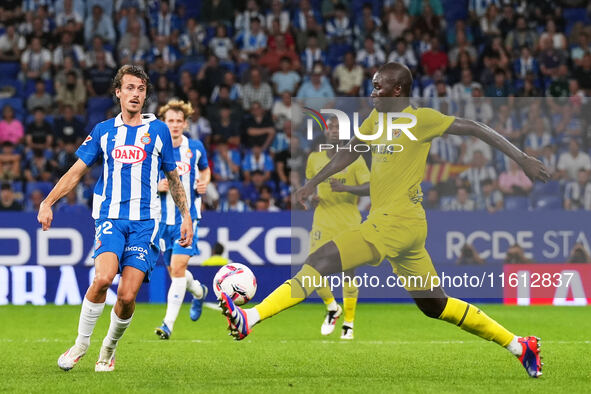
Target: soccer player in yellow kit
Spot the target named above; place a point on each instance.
(336, 210)
(396, 227)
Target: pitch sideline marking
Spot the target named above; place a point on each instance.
(286, 341)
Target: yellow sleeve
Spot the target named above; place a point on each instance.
(431, 124)
(310, 167)
(361, 171)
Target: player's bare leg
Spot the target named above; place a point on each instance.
(121, 315)
(179, 283)
(436, 304)
(106, 267)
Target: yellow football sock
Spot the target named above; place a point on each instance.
(472, 319)
(326, 295)
(350, 294)
(290, 293)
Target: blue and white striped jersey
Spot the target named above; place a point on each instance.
(132, 159)
(190, 157)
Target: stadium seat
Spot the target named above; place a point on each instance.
(514, 203)
(548, 203)
(223, 187)
(15, 83)
(228, 66)
(550, 188)
(574, 15)
(18, 189)
(9, 70)
(192, 67)
(30, 87)
(93, 119)
(426, 186)
(242, 68)
(16, 104)
(192, 8)
(45, 187)
(99, 105)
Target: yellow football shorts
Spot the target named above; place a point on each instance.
(400, 240)
(320, 235)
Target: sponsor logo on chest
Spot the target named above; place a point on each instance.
(182, 168)
(128, 154)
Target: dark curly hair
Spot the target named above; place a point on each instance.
(136, 71)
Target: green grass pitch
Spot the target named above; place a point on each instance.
(396, 349)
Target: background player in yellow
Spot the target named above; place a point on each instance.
(396, 227)
(336, 210)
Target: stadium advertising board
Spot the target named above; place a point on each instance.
(56, 266)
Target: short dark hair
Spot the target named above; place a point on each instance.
(500, 71)
(136, 71)
(6, 186)
(340, 7)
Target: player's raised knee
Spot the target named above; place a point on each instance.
(326, 260)
(430, 302)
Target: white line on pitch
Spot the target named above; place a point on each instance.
(286, 341)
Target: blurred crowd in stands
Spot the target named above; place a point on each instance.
(239, 63)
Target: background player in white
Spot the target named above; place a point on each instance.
(126, 207)
(191, 159)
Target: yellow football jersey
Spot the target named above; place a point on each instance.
(336, 211)
(396, 177)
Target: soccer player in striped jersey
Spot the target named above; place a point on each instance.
(191, 160)
(126, 207)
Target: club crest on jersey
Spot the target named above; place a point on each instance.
(189, 154)
(128, 154)
(89, 138)
(182, 168)
(146, 139)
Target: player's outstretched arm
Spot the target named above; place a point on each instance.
(65, 185)
(180, 199)
(340, 160)
(532, 167)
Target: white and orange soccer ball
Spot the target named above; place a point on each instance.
(237, 281)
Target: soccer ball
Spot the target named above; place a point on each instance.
(237, 281)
